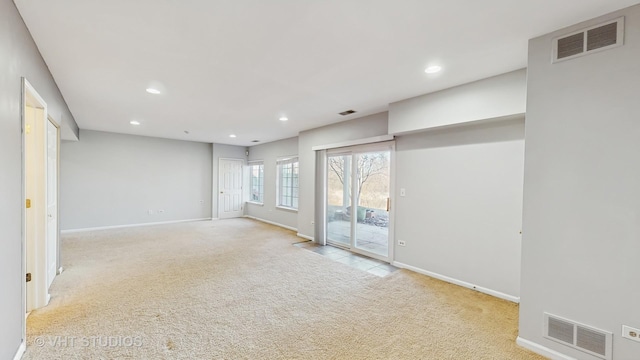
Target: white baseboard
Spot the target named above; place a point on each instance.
(271, 223)
(21, 350)
(70, 231)
(542, 350)
(306, 237)
(465, 284)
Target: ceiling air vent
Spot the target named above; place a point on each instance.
(596, 38)
(581, 337)
(348, 112)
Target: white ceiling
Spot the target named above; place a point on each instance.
(236, 66)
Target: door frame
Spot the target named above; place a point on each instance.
(219, 192)
(39, 277)
(351, 151)
(58, 264)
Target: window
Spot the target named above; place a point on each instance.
(288, 182)
(256, 179)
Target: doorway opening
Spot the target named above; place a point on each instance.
(358, 199)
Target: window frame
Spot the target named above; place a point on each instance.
(288, 187)
(260, 165)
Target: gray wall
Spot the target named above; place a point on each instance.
(365, 127)
(221, 151)
(496, 97)
(269, 153)
(581, 225)
(112, 179)
(462, 213)
(20, 58)
(462, 168)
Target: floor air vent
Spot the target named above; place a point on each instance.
(584, 338)
(583, 42)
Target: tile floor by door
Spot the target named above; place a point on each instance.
(361, 262)
(370, 237)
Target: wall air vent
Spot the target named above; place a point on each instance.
(581, 337)
(348, 112)
(602, 36)
(570, 45)
(596, 38)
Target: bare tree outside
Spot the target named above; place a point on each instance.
(372, 169)
(365, 175)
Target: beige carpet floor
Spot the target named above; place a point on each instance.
(238, 289)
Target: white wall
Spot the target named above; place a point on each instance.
(496, 97)
(20, 58)
(461, 216)
(269, 153)
(581, 239)
(112, 179)
(361, 128)
(221, 151)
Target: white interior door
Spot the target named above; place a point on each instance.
(36, 220)
(230, 203)
(34, 192)
(52, 201)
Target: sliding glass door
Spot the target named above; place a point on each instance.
(372, 200)
(358, 199)
(339, 199)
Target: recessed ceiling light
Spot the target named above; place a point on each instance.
(153, 91)
(433, 69)
(232, 135)
(134, 122)
(284, 118)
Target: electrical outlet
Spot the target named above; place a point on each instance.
(630, 333)
(402, 243)
(150, 212)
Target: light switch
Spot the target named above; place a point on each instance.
(403, 192)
